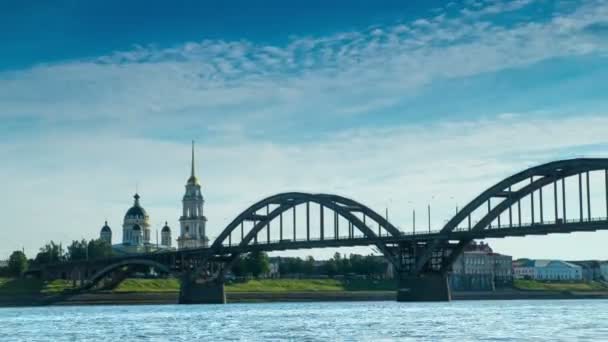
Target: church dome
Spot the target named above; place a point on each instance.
(166, 228)
(106, 228)
(136, 211)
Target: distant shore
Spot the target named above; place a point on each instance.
(138, 298)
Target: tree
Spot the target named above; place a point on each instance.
(49, 253)
(258, 263)
(239, 268)
(77, 250)
(309, 265)
(99, 249)
(330, 267)
(17, 263)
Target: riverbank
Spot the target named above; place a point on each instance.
(22, 292)
(138, 298)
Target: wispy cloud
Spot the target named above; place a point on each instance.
(350, 72)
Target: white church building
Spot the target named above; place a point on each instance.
(136, 224)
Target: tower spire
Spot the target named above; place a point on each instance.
(192, 179)
(192, 172)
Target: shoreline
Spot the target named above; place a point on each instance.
(158, 298)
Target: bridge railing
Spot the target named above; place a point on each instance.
(539, 224)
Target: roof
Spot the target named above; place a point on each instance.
(523, 263)
(166, 228)
(554, 263)
(106, 228)
(136, 210)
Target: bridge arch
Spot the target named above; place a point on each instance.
(359, 216)
(501, 197)
(97, 277)
(539, 176)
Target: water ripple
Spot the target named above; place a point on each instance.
(357, 321)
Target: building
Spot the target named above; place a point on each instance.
(106, 233)
(604, 270)
(523, 269)
(557, 270)
(136, 236)
(165, 236)
(591, 269)
(478, 268)
(547, 270)
(193, 221)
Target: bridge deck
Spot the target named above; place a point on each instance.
(559, 227)
(571, 226)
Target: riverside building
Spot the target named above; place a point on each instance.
(478, 268)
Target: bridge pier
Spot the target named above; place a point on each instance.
(430, 287)
(195, 291)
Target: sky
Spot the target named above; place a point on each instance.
(397, 104)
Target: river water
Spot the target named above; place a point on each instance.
(567, 320)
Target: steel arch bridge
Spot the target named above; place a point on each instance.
(362, 223)
(531, 202)
(504, 201)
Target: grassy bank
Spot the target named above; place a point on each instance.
(10, 286)
(148, 285)
(310, 285)
(533, 285)
(264, 285)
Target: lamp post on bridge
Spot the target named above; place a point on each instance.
(456, 211)
(413, 218)
(429, 212)
(429, 209)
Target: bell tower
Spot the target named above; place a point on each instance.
(193, 221)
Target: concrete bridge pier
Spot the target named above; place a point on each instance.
(430, 287)
(197, 291)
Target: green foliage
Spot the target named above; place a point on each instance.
(148, 285)
(77, 250)
(286, 285)
(311, 285)
(255, 263)
(99, 249)
(17, 264)
(338, 265)
(25, 286)
(533, 285)
(258, 263)
(94, 249)
(50, 253)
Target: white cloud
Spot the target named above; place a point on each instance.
(494, 7)
(332, 72)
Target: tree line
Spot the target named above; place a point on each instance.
(253, 264)
(52, 252)
(258, 263)
(354, 264)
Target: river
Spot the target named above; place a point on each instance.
(517, 320)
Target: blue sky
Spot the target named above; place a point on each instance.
(393, 103)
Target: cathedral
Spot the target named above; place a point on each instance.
(136, 224)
